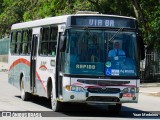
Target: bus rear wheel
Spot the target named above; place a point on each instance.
(24, 95)
(55, 104)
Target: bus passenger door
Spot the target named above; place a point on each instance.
(33, 63)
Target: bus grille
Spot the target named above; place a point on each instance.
(103, 99)
(106, 90)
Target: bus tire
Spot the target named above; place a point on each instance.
(24, 95)
(115, 108)
(55, 104)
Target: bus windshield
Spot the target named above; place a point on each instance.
(122, 56)
(88, 53)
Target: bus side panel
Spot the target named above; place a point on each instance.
(18, 66)
(13, 74)
(21, 65)
(17, 73)
(24, 68)
(11, 70)
(44, 71)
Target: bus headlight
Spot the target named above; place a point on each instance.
(81, 89)
(125, 90)
(132, 90)
(75, 88)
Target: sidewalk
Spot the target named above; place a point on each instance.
(144, 85)
(4, 66)
(150, 88)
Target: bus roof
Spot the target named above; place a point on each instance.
(40, 22)
(57, 20)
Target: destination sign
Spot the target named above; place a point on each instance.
(102, 21)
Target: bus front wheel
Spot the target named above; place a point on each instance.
(55, 104)
(24, 95)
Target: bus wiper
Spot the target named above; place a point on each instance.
(112, 38)
(86, 32)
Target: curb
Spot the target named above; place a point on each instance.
(157, 94)
(149, 92)
(150, 85)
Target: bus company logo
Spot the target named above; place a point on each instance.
(43, 68)
(103, 87)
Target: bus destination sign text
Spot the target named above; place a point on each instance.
(103, 22)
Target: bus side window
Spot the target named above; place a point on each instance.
(24, 42)
(19, 41)
(53, 40)
(13, 42)
(29, 41)
(48, 41)
(44, 41)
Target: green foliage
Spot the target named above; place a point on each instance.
(11, 14)
(151, 32)
(116, 7)
(39, 9)
(73, 7)
(146, 11)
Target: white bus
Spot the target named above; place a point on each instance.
(65, 59)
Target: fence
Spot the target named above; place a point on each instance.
(4, 48)
(150, 71)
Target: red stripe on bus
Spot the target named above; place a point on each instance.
(22, 60)
(43, 67)
(110, 85)
(40, 81)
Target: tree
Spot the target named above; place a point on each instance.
(12, 13)
(146, 12)
(40, 9)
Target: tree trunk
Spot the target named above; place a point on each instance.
(141, 18)
(138, 11)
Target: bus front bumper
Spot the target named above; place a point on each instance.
(99, 98)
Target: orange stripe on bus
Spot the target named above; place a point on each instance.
(21, 60)
(26, 62)
(43, 66)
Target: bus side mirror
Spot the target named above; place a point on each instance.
(62, 43)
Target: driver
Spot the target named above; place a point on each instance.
(116, 51)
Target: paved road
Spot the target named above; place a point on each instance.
(10, 101)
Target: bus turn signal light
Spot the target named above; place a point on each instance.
(75, 88)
